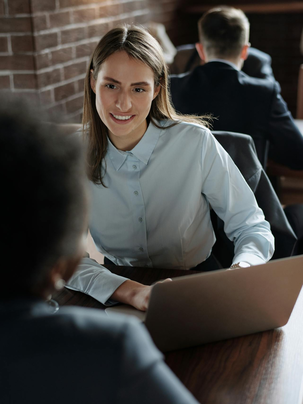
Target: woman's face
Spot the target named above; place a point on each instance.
(124, 92)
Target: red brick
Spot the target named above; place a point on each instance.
(124, 20)
(141, 19)
(2, 8)
(4, 82)
(25, 81)
(49, 78)
(46, 97)
(71, 3)
(129, 7)
(64, 91)
(74, 70)
(12, 24)
(80, 85)
(43, 5)
(44, 60)
(97, 30)
(85, 49)
(15, 62)
(72, 35)
(74, 105)
(59, 19)
(23, 43)
(19, 7)
(40, 23)
(3, 44)
(110, 11)
(62, 55)
(45, 41)
(84, 15)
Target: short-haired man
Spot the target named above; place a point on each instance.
(238, 102)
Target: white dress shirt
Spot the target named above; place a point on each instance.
(155, 208)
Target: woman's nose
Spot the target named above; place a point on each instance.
(123, 102)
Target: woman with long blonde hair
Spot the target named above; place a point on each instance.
(154, 174)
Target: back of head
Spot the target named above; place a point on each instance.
(44, 199)
(223, 31)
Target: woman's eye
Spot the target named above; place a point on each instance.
(110, 86)
(139, 90)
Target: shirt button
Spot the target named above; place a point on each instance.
(141, 249)
(136, 192)
(134, 167)
(140, 219)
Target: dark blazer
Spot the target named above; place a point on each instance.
(80, 356)
(242, 150)
(243, 104)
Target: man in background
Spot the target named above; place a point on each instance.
(238, 102)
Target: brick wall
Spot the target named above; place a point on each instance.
(45, 45)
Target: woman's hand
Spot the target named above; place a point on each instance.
(134, 294)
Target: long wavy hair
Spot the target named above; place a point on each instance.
(142, 46)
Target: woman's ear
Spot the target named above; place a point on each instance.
(157, 89)
(92, 81)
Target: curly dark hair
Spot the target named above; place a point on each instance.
(44, 197)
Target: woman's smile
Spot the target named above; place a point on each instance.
(122, 119)
(125, 89)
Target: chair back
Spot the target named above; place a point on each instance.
(242, 150)
(300, 94)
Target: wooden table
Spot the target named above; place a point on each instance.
(264, 368)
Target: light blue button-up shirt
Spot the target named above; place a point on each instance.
(155, 208)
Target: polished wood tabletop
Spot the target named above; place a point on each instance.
(263, 368)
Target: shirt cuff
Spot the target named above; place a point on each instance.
(249, 258)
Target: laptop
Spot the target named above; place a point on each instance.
(213, 306)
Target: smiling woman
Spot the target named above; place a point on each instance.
(127, 78)
(154, 174)
(124, 89)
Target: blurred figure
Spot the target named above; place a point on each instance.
(76, 355)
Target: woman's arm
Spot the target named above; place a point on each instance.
(234, 202)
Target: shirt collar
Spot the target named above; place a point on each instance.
(143, 150)
(226, 62)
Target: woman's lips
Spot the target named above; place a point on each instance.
(122, 119)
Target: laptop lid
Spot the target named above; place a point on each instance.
(213, 306)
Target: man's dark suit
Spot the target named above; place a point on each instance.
(240, 103)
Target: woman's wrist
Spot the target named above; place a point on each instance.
(132, 293)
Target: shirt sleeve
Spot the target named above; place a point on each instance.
(144, 375)
(93, 279)
(234, 202)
